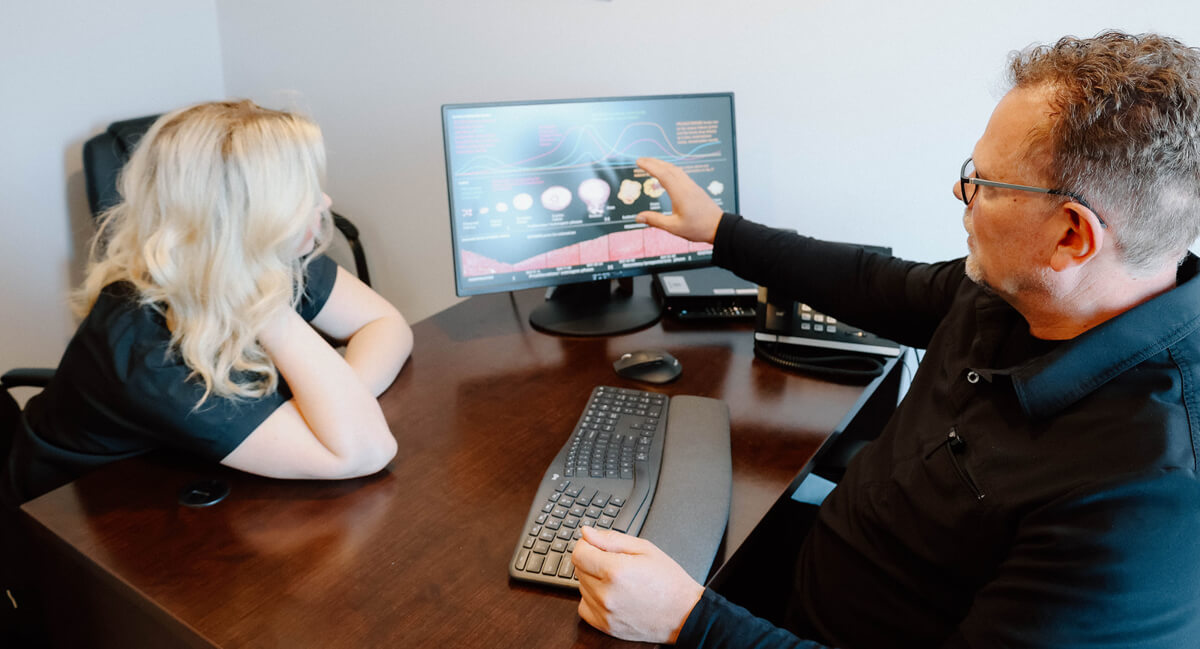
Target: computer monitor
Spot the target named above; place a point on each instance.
(545, 193)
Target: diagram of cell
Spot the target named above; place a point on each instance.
(522, 201)
(556, 198)
(594, 193)
(630, 191)
(652, 187)
(716, 187)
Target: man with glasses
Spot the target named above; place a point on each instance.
(1038, 485)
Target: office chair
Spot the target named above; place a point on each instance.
(106, 153)
(20, 625)
(10, 416)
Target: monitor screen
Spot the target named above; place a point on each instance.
(544, 193)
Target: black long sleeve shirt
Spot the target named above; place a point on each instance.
(1025, 494)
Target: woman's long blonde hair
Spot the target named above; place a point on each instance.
(215, 203)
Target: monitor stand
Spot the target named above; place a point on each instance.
(595, 309)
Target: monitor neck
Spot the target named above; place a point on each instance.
(600, 308)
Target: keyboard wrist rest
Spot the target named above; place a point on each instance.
(690, 510)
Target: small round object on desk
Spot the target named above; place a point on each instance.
(203, 493)
(651, 366)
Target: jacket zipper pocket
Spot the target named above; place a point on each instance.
(956, 445)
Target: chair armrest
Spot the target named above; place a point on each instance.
(38, 377)
(349, 231)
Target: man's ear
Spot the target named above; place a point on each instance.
(1081, 236)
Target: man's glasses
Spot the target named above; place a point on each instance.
(969, 184)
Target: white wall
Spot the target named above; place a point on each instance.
(67, 69)
(853, 117)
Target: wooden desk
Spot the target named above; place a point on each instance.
(415, 556)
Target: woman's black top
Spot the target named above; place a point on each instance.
(120, 391)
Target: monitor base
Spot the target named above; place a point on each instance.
(595, 309)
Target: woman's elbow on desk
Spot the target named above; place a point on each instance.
(370, 462)
(284, 446)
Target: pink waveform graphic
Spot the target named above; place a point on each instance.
(630, 244)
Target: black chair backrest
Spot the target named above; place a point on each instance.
(103, 157)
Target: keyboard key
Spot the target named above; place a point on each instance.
(604, 522)
(535, 563)
(567, 568)
(565, 533)
(553, 524)
(551, 567)
(593, 512)
(546, 535)
(571, 522)
(618, 501)
(522, 559)
(559, 546)
(528, 542)
(586, 498)
(611, 510)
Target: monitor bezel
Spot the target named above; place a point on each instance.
(461, 290)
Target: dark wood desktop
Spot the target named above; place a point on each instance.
(417, 555)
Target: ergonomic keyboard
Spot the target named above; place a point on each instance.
(608, 474)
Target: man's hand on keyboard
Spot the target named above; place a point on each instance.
(630, 589)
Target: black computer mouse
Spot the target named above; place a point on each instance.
(651, 366)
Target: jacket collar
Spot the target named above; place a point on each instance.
(1073, 370)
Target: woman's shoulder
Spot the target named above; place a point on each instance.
(119, 310)
(320, 276)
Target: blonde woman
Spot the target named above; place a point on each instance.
(204, 297)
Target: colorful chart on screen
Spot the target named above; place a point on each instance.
(544, 193)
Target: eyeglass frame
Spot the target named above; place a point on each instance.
(963, 181)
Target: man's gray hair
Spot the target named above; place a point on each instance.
(1126, 135)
